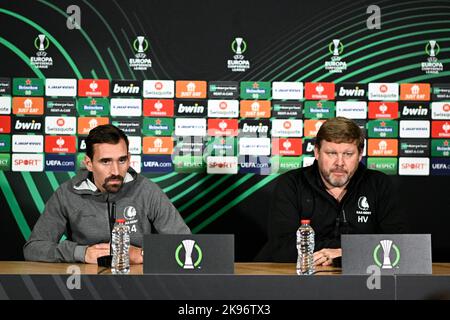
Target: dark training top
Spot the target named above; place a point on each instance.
(369, 206)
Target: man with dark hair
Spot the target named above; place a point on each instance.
(82, 207)
(337, 193)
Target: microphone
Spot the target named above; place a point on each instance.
(106, 261)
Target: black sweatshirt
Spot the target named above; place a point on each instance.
(369, 206)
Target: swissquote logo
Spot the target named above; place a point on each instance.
(159, 89)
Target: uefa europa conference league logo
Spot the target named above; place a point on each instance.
(239, 64)
(336, 48)
(432, 65)
(388, 247)
(41, 60)
(140, 60)
(189, 246)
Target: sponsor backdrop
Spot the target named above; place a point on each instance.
(220, 98)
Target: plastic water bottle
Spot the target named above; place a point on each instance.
(305, 248)
(120, 248)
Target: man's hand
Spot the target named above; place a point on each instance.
(96, 251)
(325, 257)
(136, 255)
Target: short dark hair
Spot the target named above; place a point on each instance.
(106, 133)
(340, 130)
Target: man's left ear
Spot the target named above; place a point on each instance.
(88, 163)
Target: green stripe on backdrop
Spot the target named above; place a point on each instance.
(385, 61)
(179, 182)
(14, 206)
(220, 196)
(164, 177)
(238, 199)
(390, 72)
(85, 35)
(53, 40)
(112, 34)
(22, 56)
(313, 53)
(52, 179)
(94, 74)
(428, 76)
(191, 188)
(34, 192)
(115, 62)
(373, 54)
(203, 193)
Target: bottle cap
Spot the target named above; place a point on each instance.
(120, 220)
(305, 221)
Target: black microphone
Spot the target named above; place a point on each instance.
(106, 261)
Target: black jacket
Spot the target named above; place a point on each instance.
(369, 206)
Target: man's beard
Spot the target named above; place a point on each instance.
(336, 182)
(113, 188)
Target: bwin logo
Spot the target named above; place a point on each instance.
(414, 111)
(129, 213)
(33, 125)
(255, 129)
(130, 89)
(191, 109)
(356, 92)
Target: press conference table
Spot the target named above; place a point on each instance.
(251, 281)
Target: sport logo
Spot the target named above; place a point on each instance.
(192, 259)
(27, 162)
